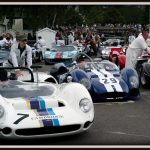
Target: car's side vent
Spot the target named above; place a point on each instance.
(60, 104)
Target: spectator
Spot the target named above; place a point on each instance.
(15, 40)
(97, 40)
(41, 45)
(91, 41)
(70, 39)
(136, 49)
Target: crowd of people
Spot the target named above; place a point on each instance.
(20, 50)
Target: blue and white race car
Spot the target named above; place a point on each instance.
(103, 79)
(61, 53)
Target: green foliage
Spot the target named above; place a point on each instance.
(39, 16)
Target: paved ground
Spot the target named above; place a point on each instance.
(115, 124)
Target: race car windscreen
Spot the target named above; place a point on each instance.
(109, 66)
(15, 89)
(63, 48)
(102, 65)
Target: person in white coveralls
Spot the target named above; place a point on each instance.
(136, 48)
(41, 45)
(20, 52)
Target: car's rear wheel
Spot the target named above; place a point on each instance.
(144, 79)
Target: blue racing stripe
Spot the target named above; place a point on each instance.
(34, 104)
(48, 122)
(50, 111)
(55, 121)
(42, 102)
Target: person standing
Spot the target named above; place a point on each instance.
(136, 49)
(70, 39)
(41, 45)
(15, 39)
(20, 52)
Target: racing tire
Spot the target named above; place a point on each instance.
(144, 79)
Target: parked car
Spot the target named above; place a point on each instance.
(113, 42)
(104, 52)
(103, 79)
(61, 53)
(33, 109)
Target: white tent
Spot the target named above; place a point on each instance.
(48, 35)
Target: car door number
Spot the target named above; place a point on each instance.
(110, 80)
(23, 116)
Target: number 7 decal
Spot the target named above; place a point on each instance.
(23, 116)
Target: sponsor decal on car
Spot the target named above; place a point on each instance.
(111, 84)
(59, 55)
(46, 116)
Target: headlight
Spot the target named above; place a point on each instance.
(103, 51)
(1, 111)
(134, 81)
(85, 105)
(86, 82)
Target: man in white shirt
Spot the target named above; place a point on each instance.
(136, 49)
(18, 53)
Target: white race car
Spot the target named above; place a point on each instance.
(35, 110)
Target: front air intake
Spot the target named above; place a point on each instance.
(48, 130)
